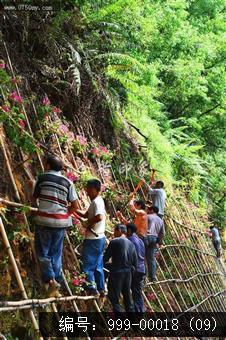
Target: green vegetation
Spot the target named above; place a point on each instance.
(156, 66)
(162, 65)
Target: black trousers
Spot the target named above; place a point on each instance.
(137, 287)
(120, 283)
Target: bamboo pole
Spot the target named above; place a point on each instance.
(17, 275)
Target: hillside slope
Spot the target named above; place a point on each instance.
(40, 112)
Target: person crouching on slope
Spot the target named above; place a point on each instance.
(57, 199)
(94, 243)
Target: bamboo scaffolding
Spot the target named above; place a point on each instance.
(181, 253)
(209, 281)
(18, 276)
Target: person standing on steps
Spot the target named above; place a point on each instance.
(95, 240)
(158, 195)
(155, 234)
(57, 200)
(137, 207)
(139, 274)
(216, 240)
(122, 253)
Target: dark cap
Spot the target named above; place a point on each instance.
(121, 227)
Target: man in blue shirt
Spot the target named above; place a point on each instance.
(139, 273)
(215, 235)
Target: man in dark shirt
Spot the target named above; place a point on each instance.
(139, 274)
(122, 252)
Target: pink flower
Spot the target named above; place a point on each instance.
(14, 80)
(15, 97)
(2, 65)
(71, 135)
(46, 101)
(82, 140)
(71, 176)
(75, 220)
(38, 145)
(151, 296)
(22, 123)
(57, 110)
(63, 128)
(95, 151)
(104, 149)
(75, 282)
(5, 108)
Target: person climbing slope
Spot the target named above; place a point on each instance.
(157, 194)
(216, 240)
(57, 199)
(155, 235)
(139, 274)
(95, 240)
(122, 252)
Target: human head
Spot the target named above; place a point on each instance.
(153, 210)
(159, 185)
(120, 229)
(211, 227)
(93, 188)
(139, 204)
(53, 162)
(131, 229)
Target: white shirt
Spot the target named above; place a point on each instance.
(97, 207)
(158, 197)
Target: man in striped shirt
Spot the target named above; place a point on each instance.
(57, 200)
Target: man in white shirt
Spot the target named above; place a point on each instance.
(94, 243)
(158, 196)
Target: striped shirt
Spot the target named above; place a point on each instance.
(53, 192)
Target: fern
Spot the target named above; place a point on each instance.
(74, 68)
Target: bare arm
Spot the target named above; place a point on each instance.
(134, 210)
(73, 207)
(95, 220)
(122, 218)
(81, 213)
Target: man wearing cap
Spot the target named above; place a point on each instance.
(123, 255)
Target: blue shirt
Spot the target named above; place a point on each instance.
(215, 234)
(140, 250)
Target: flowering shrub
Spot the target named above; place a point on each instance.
(46, 101)
(13, 119)
(15, 97)
(44, 110)
(151, 296)
(78, 281)
(101, 152)
(71, 176)
(79, 144)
